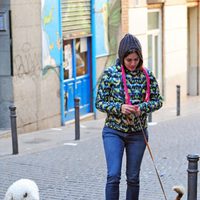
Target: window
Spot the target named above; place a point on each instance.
(81, 56)
(153, 20)
(77, 49)
(155, 43)
(4, 22)
(135, 2)
(67, 64)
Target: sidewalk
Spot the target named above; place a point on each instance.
(49, 138)
(65, 135)
(190, 106)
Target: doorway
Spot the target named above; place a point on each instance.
(154, 39)
(76, 67)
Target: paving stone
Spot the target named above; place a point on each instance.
(78, 172)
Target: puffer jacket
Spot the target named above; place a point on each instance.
(111, 96)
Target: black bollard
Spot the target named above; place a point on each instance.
(192, 176)
(150, 117)
(13, 121)
(178, 100)
(77, 118)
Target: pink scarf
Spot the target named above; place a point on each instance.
(127, 96)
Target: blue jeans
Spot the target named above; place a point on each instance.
(115, 142)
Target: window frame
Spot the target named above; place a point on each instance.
(157, 70)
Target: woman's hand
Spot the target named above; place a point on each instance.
(129, 109)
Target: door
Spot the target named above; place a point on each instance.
(76, 32)
(76, 75)
(155, 43)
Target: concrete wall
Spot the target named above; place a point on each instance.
(175, 2)
(138, 27)
(6, 90)
(175, 39)
(36, 97)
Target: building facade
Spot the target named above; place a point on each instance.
(48, 58)
(31, 65)
(169, 33)
(54, 51)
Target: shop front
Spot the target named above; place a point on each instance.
(76, 35)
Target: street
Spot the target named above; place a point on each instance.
(73, 170)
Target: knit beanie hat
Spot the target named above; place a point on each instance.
(128, 43)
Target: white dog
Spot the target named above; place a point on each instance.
(23, 189)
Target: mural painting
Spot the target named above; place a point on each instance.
(51, 41)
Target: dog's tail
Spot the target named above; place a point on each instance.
(180, 190)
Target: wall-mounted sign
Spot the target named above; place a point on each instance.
(2, 21)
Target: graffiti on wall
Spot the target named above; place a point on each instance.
(51, 41)
(27, 62)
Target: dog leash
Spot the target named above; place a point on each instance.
(152, 158)
(147, 98)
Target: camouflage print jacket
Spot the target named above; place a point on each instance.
(111, 96)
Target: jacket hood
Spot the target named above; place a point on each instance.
(129, 43)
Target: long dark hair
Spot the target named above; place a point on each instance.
(140, 64)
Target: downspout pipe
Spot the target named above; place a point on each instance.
(94, 82)
(61, 74)
(11, 44)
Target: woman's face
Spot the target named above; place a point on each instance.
(131, 61)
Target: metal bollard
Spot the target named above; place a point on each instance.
(77, 118)
(192, 176)
(178, 101)
(150, 117)
(13, 117)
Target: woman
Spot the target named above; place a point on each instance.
(127, 93)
